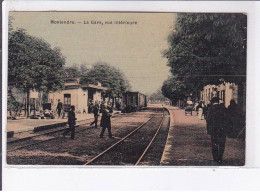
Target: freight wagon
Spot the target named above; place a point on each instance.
(133, 101)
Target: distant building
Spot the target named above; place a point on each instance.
(225, 92)
(77, 95)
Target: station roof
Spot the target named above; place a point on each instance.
(94, 86)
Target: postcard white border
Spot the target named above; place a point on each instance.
(166, 178)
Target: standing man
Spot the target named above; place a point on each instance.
(71, 122)
(102, 106)
(59, 108)
(105, 121)
(216, 127)
(95, 112)
(90, 107)
(234, 125)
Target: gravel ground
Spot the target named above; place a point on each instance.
(154, 154)
(129, 150)
(87, 144)
(188, 143)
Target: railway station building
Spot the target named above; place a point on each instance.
(77, 95)
(226, 92)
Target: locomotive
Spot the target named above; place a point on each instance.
(133, 101)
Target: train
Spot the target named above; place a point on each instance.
(133, 101)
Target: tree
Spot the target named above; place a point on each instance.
(157, 96)
(83, 68)
(108, 76)
(75, 71)
(208, 49)
(71, 72)
(174, 89)
(33, 64)
(13, 105)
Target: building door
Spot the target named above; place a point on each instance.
(91, 94)
(67, 102)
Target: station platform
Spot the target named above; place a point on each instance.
(188, 143)
(23, 124)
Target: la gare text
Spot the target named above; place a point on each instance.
(94, 22)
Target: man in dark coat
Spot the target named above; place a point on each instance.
(105, 121)
(95, 112)
(90, 106)
(71, 122)
(101, 106)
(216, 127)
(234, 120)
(59, 107)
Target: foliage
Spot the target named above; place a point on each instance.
(157, 96)
(75, 71)
(83, 68)
(32, 63)
(13, 105)
(208, 49)
(174, 89)
(108, 76)
(72, 72)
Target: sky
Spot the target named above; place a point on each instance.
(136, 49)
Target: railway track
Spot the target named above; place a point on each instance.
(46, 139)
(47, 132)
(110, 148)
(35, 142)
(147, 142)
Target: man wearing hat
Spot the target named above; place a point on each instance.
(216, 127)
(95, 112)
(105, 121)
(59, 107)
(71, 122)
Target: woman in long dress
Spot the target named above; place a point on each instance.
(200, 109)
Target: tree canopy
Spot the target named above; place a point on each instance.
(108, 76)
(157, 96)
(174, 89)
(75, 71)
(208, 49)
(32, 63)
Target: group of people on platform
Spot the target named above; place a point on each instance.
(221, 122)
(96, 109)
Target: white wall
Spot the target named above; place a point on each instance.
(82, 100)
(79, 98)
(53, 97)
(230, 92)
(97, 96)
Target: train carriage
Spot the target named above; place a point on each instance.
(133, 101)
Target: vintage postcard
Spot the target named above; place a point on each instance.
(126, 88)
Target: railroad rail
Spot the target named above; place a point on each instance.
(125, 137)
(41, 141)
(48, 133)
